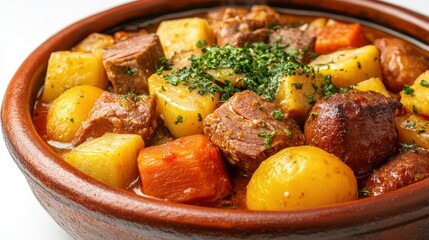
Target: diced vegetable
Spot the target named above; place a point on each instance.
(69, 110)
(413, 129)
(338, 36)
(415, 98)
(298, 178)
(183, 111)
(348, 67)
(186, 170)
(111, 158)
(94, 43)
(67, 69)
(227, 74)
(297, 93)
(373, 84)
(184, 34)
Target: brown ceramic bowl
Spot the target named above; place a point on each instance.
(88, 209)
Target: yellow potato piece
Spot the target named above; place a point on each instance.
(227, 74)
(183, 34)
(299, 178)
(348, 67)
(183, 111)
(413, 129)
(373, 84)
(296, 94)
(416, 97)
(69, 110)
(94, 43)
(111, 158)
(67, 69)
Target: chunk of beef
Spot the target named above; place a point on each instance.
(119, 114)
(358, 127)
(246, 131)
(404, 169)
(238, 31)
(295, 39)
(401, 63)
(129, 63)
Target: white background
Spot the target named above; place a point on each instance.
(24, 25)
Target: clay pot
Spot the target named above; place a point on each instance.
(88, 209)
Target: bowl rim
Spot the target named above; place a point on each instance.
(41, 165)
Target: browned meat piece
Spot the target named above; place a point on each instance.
(400, 62)
(402, 170)
(294, 38)
(238, 31)
(131, 62)
(123, 35)
(226, 13)
(247, 132)
(358, 127)
(119, 114)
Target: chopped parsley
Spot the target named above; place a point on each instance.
(298, 85)
(365, 192)
(179, 119)
(410, 124)
(424, 83)
(409, 147)
(288, 132)
(201, 43)
(277, 114)
(72, 120)
(261, 64)
(310, 99)
(164, 65)
(408, 90)
(268, 138)
(200, 118)
(131, 70)
(415, 111)
(328, 88)
(420, 131)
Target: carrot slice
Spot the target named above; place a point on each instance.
(339, 36)
(187, 170)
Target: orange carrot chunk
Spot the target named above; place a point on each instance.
(339, 36)
(187, 170)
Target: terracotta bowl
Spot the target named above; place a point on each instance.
(88, 209)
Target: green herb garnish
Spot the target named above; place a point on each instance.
(277, 114)
(131, 70)
(408, 90)
(424, 83)
(201, 43)
(268, 138)
(179, 119)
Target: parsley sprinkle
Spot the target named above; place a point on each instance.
(415, 111)
(261, 65)
(278, 114)
(408, 90)
(424, 83)
(179, 119)
(72, 120)
(268, 138)
(131, 70)
(200, 118)
(365, 192)
(298, 85)
(288, 132)
(201, 43)
(131, 97)
(420, 131)
(410, 124)
(310, 99)
(409, 147)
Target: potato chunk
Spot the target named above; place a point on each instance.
(415, 98)
(183, 34)
(94, 43)
(413, 129)
(296, 94)
(183, 111)
(69, 110)
(67, 69)
(298, 178)
(111, 158)
(373, 84)
(348, 67)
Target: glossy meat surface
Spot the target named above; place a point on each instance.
(247, 133)
(358, 127)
